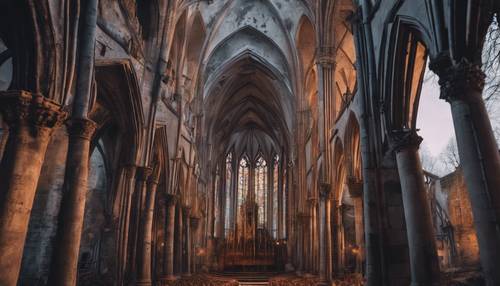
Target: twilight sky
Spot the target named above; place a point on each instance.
(434, 117)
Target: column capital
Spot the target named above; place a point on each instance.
(143, 173)
(186, 210)
(325, 56)
(171, 200)
(312, 201)
(355, 186)
(130, 170)
(23, 108)
(81, 127)
(404, 138)
(458, 78)
(325, 190)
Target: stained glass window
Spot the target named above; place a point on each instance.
(242, 182)
(261, 191)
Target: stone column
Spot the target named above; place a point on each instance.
(335, 217)
(145, 238)
(142, 176)
(462, 86)
(325, 234)
(195, 222)
(31, 119)
(178, 240)
(64, 268)
(129, 173)
(169, 243)
(187, 241)
(356, 192)
(421, 241)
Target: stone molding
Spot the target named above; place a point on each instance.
(81, 128)
(405, 138)
(38, 113)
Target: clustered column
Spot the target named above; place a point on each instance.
(169, 238)
(356, 192)
(325, 234)
(421, 241)
(145, 239)
(32, 119)
(187, 240)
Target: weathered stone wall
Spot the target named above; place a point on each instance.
(460, 214)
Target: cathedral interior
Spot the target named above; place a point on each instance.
(244, 142)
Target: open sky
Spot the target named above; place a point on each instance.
(434, 117)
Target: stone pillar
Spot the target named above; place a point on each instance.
(462, 86)
(129, 173)
(325, 234)
(356, 192)
(336, 245)
(31, 119)
(421, 241)
(145, 238)
(187, 241)
(64, 268)
(178, 239)
(142, 176)
(169, 243)
(195, 222)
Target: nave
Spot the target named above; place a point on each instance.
(247, 142)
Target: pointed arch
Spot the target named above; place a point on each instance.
(305, 40)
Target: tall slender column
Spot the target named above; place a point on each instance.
(69, 231)
(31, 119)
(421, 241)
(325, 234)
(187, 241)
(169, 244)
(356, 192)
(328, 235)
(142, 176)
(462, 86)
(336, 245)
(128, 189)
(145, 238)
(178, 239)
(65, 262)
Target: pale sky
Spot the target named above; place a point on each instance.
(434, 117)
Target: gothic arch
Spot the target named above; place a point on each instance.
(352, 143)
(305, 39)
(403, 82)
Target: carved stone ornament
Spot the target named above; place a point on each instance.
(23, 108)
(460, 78)
(143, 173)
(406, 138)
(80, 127)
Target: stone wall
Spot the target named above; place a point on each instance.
(460, 214)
